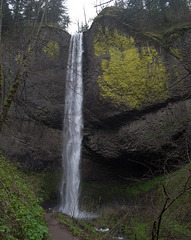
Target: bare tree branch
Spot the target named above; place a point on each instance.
(101, 4)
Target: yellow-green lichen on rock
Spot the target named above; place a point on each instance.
(132, 76)
(52, 49)
(19, 57)
(176, 53)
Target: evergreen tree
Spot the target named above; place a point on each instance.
(152, 14)
(7, 20)
(179, 7)
(17, 7)
(31, 10)
(24, 11)
(56, 13)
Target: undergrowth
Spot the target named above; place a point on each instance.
(21, 216)
(45, 184)
(161, 211)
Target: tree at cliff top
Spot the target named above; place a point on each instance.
(155, 14)
(7, 98)
(25, 12)
(57, 13)
(28, 13)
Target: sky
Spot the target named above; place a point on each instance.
(76, 9)
(76, 12)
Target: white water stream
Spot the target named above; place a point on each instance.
(72, 132)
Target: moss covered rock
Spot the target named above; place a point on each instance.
(132, 76)
(137, 102)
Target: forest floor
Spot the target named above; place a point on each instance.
(57, 230)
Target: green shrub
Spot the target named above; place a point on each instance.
(21, 216)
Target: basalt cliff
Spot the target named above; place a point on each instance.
(137, 102)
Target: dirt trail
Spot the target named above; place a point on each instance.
(57, 231)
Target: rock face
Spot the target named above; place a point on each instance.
(137, 104)
(153, 135)
(33, 134)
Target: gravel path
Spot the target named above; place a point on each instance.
(58, 231)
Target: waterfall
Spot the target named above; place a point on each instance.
(72, 130)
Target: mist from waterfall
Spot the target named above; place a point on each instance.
(72, 130)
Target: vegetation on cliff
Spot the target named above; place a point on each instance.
(21, 216)
(25, 12)
(148, 15)
(150, 210)
(32, 15)
(52, 49)
(131, 76)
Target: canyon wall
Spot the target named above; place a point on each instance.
(137, 105)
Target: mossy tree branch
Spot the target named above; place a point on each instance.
(6, 106)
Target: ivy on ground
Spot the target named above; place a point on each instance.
(21, 216)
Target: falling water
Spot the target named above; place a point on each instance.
(72, 132)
